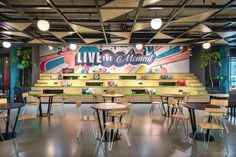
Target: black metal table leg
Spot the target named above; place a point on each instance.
(112, 99)
(8, 120)
(14, 127)
(40, 107)
(50, 99)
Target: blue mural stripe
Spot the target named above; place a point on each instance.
(169, 53)
(85, 49)
(54, 63)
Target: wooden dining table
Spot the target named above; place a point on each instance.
(8, 107)
(50, 99)
(105, 108)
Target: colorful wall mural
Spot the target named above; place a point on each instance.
(116, 59)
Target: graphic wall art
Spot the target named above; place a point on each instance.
(117, 59)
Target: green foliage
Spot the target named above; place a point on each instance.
(22, 58)
(209, 58)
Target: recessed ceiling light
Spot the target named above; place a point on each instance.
(156, 23)
(73, 46)
(6, 44)
(43, 25)
(206, 45)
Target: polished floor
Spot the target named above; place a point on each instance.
(149, 138)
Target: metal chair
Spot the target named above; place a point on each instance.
(85, 118)
(211, 125)
(154, 104)
(232, 103)
(222, 103)
(176, 117)
(29, 112)
(116, 125)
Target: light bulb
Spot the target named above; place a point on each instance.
(139, 46)
(43, 25)
(73, 46)
(206, 45)
(50, 47)
(6, 44)
(156, 23)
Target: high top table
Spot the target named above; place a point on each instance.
(105, 107)
(112, 96)
(9, 106)
(50, 98)
(192, 106)
(164, 99)
(2, 95)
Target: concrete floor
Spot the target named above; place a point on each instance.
(149, 138)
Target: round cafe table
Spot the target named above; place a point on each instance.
(105, 107)
(112, 96)
(192, 106)
(50, 98)
(164, 100)
(9, 106)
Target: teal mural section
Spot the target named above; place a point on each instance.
(14, 75)
(224, 59)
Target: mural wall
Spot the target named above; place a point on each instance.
(116, 59)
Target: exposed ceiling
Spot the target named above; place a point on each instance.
(118, 21)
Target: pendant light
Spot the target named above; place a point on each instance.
(6, 44)
(43, 25)
(73, 46)
(206, 45)
(156, 23)
(139, 46)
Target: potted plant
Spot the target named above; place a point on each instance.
(23, 61)
(210, 59)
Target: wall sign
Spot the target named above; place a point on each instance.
(108, 58)
(115, 59)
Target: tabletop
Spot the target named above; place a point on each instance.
(6, 106)
(172, 95)
(219, 95)
(199, 105)
(44, 95)
(108, 106)
(113, 95)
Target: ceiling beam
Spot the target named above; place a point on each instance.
(50, 2)
(140, 4)
(21, 12)
(221, 9)
(178, 11)
(101, 21)
(77, 6)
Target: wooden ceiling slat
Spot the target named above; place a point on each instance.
(196, 18)
(162, 36)
(141, 26)
(121, 34)
(122, 3)
(91, 40)
(108, 14)
(201, 28)
(19, 26)
(82, 29)
(61, 34)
